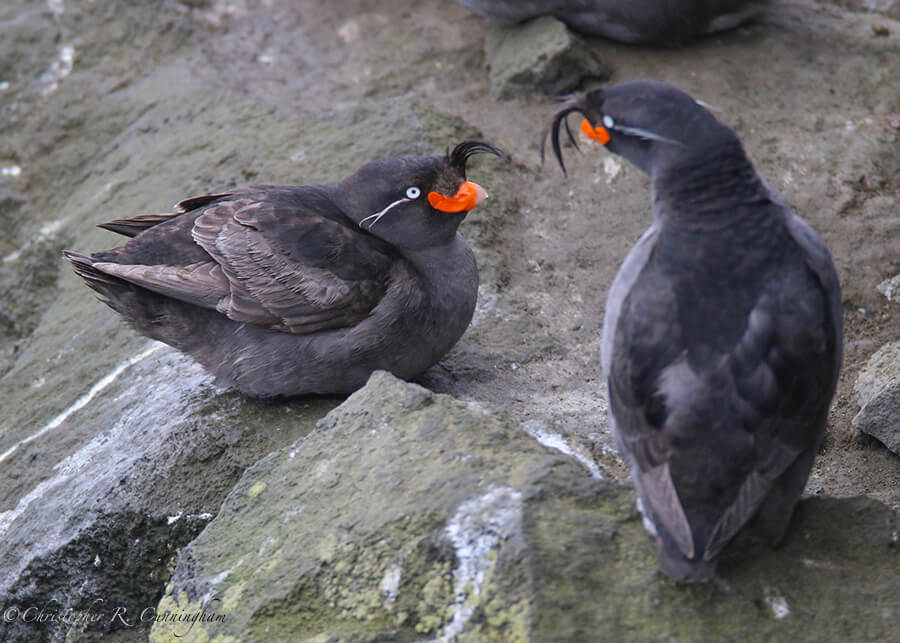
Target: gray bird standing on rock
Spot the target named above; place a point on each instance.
(291, 290)
(722, 337)
(646, 22)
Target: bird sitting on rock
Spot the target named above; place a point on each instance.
(722, 336)
(284, 290)
(645, 22)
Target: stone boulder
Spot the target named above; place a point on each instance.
(408, 515)
(92, 545)
(878, 395)
(540, 55)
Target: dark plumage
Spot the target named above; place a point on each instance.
(283, 290)
(722, 332)
(647, 22)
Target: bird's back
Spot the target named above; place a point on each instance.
(724, 358)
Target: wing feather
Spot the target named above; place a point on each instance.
(273, 260)
(202, 284)
(709, 441)
(666, 506)
(272, 283)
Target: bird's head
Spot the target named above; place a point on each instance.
(648, 122)
(415, 202)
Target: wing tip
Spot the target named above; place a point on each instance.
(661, 496)
(133, 226)
(84, 267)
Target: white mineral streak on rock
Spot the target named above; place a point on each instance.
(59, 69)
(82, 401)
(556, 441)
(477, 528)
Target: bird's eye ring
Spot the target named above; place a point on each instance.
(608, 121)
(413, 192)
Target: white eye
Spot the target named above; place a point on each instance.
(608, 121)
(413, 192)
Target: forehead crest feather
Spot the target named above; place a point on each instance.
(460, 155)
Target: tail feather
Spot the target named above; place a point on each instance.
(162, 318)
(133, 226)
(136, 307)
(83, 266)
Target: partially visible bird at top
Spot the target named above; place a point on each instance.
(644, 22)
(291, 290)
(722, 335)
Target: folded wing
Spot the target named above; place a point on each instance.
(709, 439)
(268, 262)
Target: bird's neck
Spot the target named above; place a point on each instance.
(439, 266)
(711, 188)
(446, 293)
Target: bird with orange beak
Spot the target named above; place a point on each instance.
(722, 336)
(292, 290)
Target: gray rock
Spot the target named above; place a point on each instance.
(396, 515)
(540, 55)
(877, 392)
(167, 99)
(101, 530)
(408, 515)
(890, 288)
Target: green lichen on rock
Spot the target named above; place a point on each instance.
(165, 101)
(395, 516)
(408, 515)
(832, 577)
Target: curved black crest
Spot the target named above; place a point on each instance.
(559, 120)
(458, 158)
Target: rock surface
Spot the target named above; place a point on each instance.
(110, 109)
(540, 55)
(890, 288)
(408, 515)
(101, 531)
(878, 395)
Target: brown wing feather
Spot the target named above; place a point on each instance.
(202, 284)
(273, 263)
(133, 226)
(271, 283)
(186, 205)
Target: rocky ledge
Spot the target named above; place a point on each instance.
(135, 494)
(408, 515)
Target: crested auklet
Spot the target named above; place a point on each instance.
(645, 22)
(722, 336)
(292, 290)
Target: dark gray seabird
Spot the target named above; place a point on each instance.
(284, 291)
(645, 22)
(722, 336)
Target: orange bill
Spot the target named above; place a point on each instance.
(599, 133)
(467, 197)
